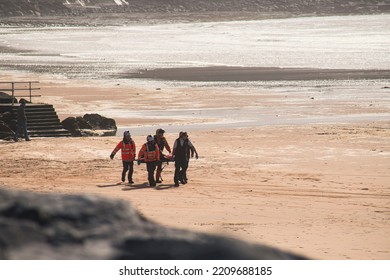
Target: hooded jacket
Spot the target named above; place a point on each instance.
(127, 148)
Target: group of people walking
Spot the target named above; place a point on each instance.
(151, 153)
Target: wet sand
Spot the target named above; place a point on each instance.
(225, 73)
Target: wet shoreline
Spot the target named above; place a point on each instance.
(226, 73)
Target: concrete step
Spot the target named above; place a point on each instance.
(36, 110)
(42, 116)
(49, 133)
(40, 111)
(42, 122)
(33, 106)
(44, 127)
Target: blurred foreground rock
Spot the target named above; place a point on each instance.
(48, 226)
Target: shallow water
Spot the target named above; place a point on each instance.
(341, 42)
(102, 53)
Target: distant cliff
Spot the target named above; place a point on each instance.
(76, 7)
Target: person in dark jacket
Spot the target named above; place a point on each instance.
(183, 149)
(162, 143)
(21, 121)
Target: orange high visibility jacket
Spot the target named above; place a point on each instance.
(128, 150)
(149, 155)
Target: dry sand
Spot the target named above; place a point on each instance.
(321, 190)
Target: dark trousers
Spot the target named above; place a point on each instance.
(159, 170)
(127, 165)
(181, 166)
(151, 167)
(21, 127)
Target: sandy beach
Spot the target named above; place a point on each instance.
(320, 190)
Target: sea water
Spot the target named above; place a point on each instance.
(339, 42)
(104, 53)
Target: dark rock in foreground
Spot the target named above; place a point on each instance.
(43, 226)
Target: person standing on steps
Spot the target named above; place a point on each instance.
(183, 149)
(21, 121)
(150, 154)
(127, 147)
(162, 143)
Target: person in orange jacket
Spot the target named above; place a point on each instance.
(127, 146)
(150, 154)
(162, 143)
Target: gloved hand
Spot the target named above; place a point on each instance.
(196, 156)
(139, 162)
(112, 155)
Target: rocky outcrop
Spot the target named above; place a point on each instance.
(5, 131)
(99, 122)
(9, 119)
(90, 125)
(7, 125)
(71, 125)
(6, 98)
(52, 226)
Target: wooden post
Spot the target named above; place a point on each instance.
(13, 93)
(30, 91)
